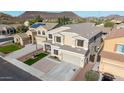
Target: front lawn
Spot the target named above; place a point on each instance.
(9, 48)
(35, 59)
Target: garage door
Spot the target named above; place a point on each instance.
(71, 59)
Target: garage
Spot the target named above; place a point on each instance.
(72, 58)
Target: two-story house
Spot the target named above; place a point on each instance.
(112, 56)
(74, 43)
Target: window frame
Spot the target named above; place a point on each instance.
(56, 52)
(120, 52)
(49, 36)
(78, 42)
(56, 39)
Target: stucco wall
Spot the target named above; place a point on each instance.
(110, 44)
(40, 40)
(113, 67)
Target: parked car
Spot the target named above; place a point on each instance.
(107, 77)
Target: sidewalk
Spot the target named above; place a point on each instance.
(24, 51)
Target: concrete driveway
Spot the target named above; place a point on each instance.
(24, 51)
(56, 71)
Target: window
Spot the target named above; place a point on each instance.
(56, 52)
(58, 39)
(43, 32)
(50, 36)
(120, 48)
(39, 32)
(80, 43)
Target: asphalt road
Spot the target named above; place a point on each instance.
(9, 72)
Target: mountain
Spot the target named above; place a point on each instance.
(8, 19)
(48, 15)
(115, 17)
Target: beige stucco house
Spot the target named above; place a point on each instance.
(22, 39)
(36, 33)
(112, 56)
(75, 43)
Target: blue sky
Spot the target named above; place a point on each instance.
(80, 13)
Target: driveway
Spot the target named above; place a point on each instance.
(24, 51)
(56, 70)
(44, 65)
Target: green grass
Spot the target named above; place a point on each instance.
(37, 57)
(92, 76)
(9, 48)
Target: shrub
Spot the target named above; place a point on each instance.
(92, 76)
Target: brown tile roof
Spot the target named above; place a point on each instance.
(113, 56)
(115, 33)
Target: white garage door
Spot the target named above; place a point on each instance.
(71, 59)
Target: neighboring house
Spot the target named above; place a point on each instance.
(75, 43)
(41, 30)
(22, 39)
(7, 30)
(37, 32)
(120, 26)
(32, 33)
(112, 56)
(117, 21)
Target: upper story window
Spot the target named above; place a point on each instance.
(39, 32)
(120, 48)
(80, 43)
(43, 32)
(58, 39)
(55, 52)
(50, 36)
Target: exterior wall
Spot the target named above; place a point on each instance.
(68, 40)
(19, 40)
(29, 33)
(41, 29)
(113, 67)
(110, 44)
(40, 40)
(93, 47)
(67, 56)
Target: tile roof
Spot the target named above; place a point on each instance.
(86, 30)
(115, 33)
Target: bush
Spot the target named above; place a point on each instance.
(92, 76)
(108, 24)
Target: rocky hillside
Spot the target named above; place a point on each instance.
(47, 15)
(8, 19)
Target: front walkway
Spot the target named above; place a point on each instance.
(24, 51)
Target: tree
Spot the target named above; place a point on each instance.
(64, 20)
(108, 24)
(82, 20)
(21, 29)
(92, 76)
(35, 19)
